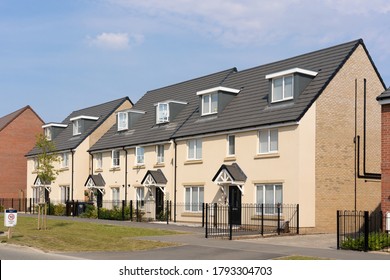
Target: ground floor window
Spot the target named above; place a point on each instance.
(270, 195)
(65, 194)
(115, 196)
(140, 197)
(194, 198)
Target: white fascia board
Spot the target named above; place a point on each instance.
(131, 111)
(219, 88)
(384, 101)
(291, 71)
(84, 118)
(55, 125)
(171, 101)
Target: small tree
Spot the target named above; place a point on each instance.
(45, 172)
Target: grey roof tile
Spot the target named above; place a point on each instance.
(67, 141)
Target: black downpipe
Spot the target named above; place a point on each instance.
(366, 175)
(175, 179)
(72, 172)
(125, 186)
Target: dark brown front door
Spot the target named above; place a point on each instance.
(235, 205)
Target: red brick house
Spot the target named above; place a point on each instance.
(17, 137)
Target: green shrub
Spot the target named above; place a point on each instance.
(376, 241)
(90, 212)
(59, 210)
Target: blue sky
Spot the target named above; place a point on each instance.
(60, 56)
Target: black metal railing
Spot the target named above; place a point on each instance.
(362, 231)
(225, 221)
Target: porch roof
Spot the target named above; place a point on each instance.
(231, 174)
(154, 177)
(95, 181)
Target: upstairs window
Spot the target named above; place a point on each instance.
(99, 161)
(194, 149)
(139, 156)
(115, 158)
(123, 121)
(65, 160)
(162, 113)
(231, 145)
(160, 153)
(210, 103)
(282, 88)
(268, 141)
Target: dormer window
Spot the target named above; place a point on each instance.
(162, 113)
(288, 84)
(76, 127)
(81, 123)
(215, 99)
(51, 130)
(210, 103)
(167, 110)
(48, 133)
(282, 88)
(123, 121)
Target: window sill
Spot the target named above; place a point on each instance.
(192, 214)
(64, 169)
(193, 161)
(158, 165)
(135, 167)
(115, 169)
(98, 170)
(270, 155)
(230, 158)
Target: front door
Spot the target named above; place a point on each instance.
(235, 204)
(159, 203)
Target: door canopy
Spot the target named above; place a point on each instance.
(154, 178)
(96, 182)
(228, 175)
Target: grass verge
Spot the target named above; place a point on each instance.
(77, 236)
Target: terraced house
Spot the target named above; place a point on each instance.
(72, 138)
(304, 130)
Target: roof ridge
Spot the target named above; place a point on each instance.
(16, 114)
(193, 79)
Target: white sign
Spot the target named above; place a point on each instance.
(10, 218)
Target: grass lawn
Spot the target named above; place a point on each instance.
(76, 236)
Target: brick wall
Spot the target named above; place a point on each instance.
(336, 187)
(385, 201)
(16, 139)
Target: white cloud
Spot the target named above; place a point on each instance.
(115, 41)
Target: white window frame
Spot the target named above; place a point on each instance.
(162, 115)
(35, 163)
(140, 196)
(229, 145)
(99, 160)
(77, 127)
(65, 193)
(269, 147)
(48, 133)
(65, 160)
(284, 97)
(192, 203)
(115, 156)
(123, 121)
(194, 149)
(160, 152)
(115, 193)
(270, 208)
(212, 104)
(139, 156)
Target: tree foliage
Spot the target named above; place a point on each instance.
(46, 159)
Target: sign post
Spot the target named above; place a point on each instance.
(10, 220)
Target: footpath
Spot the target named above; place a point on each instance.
(192, 245)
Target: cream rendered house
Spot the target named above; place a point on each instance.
(72, 139)
(304, 130)
(136, 157)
